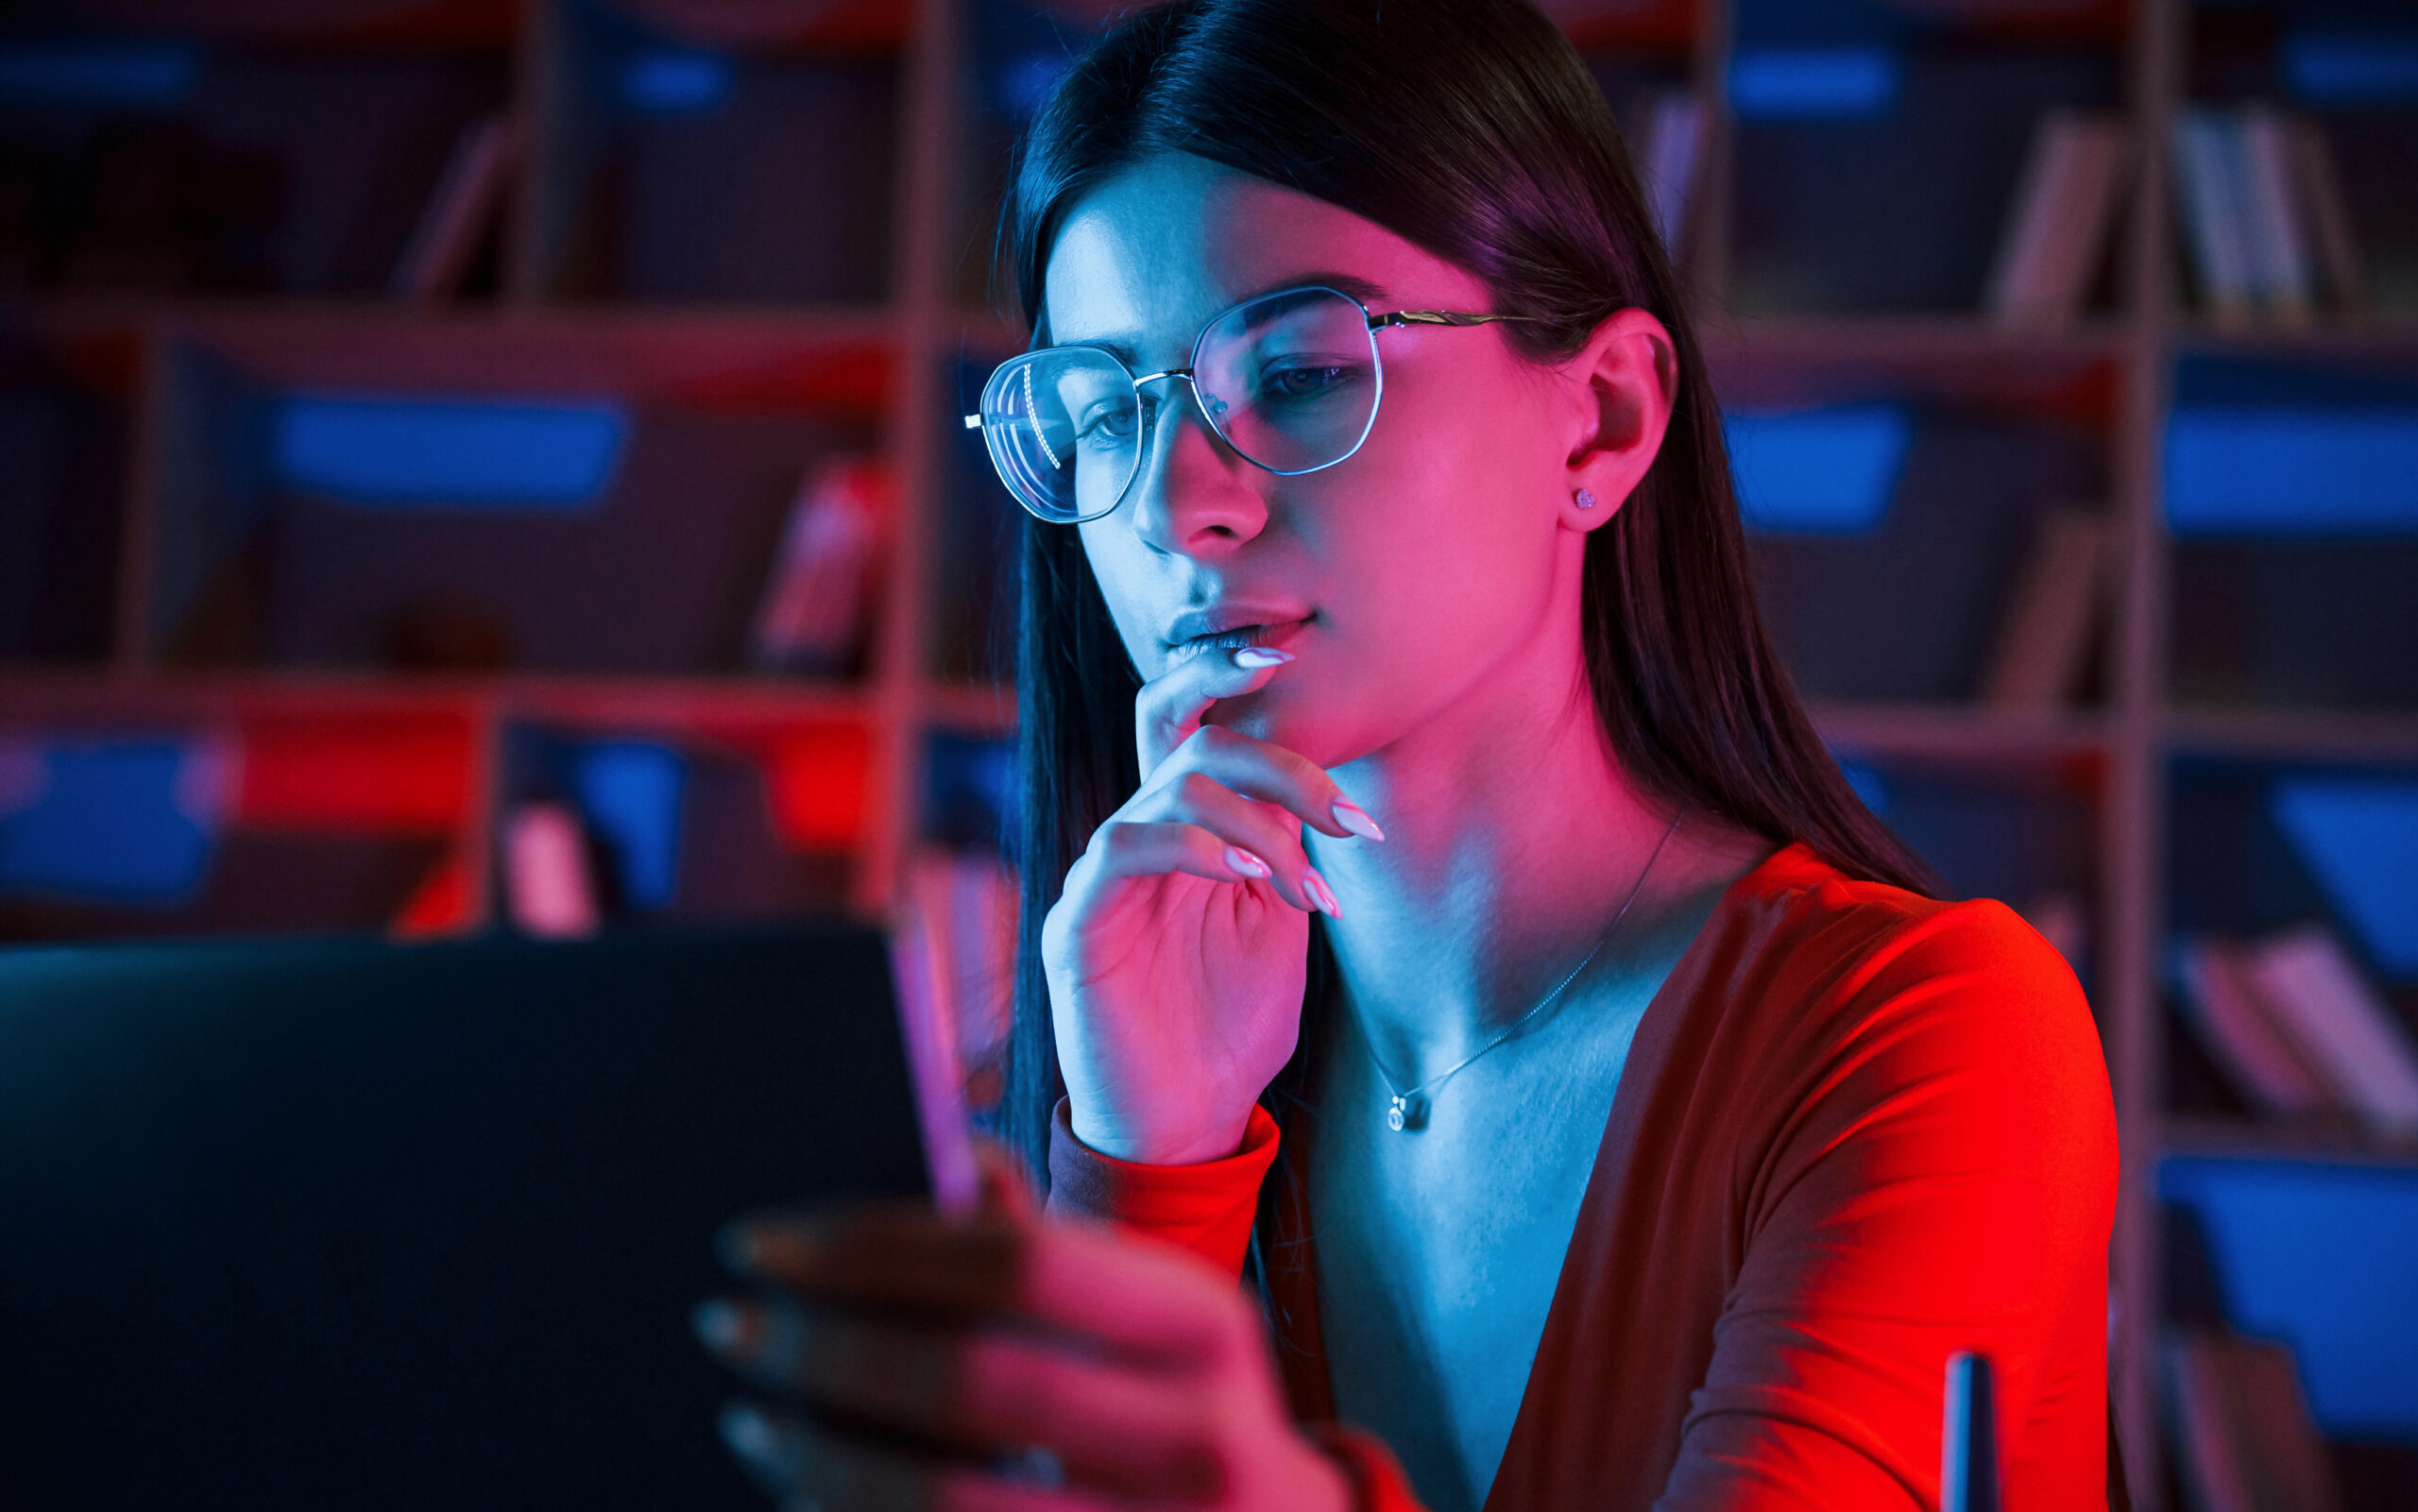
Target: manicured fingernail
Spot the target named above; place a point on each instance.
(1321, 893)
(717, 1324)
(1261, 656)
(1245, 863)
(1354, 818)
(774, 1459)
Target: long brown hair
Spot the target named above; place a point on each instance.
(1470, 129)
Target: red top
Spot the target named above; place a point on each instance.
(1893, 1122)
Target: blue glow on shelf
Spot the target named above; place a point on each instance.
(1818, 471)
(2318, 1256)
(970, 791)
(629, 791)
(1026, 82)
(98, 75)
(2359, 836)
(2282, 470)
(676, 81)
(119, 821)
(2339, 68)
(1868, 785)
(526, 455)
(1815, 84)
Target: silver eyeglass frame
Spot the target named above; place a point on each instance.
(1021, 363)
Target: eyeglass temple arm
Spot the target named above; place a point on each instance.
(1436, 318)
(1398, 317)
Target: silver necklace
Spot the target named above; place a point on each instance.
(1408, 1109)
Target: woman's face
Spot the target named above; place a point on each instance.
(1423, 564)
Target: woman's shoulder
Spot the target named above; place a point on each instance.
(1825, 1012)
(1802, 949)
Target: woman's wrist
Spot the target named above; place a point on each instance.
(1215, 1139)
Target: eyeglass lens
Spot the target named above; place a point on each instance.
(1291, 381)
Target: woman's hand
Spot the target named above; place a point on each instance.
(937, 1354)
(1176, 951)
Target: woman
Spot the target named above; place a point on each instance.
(1440, 911)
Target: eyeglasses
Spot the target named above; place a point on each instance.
(1289, 380)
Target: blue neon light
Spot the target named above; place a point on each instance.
(1818, 471)
(1868, 785)
(119, 821)
(2359, 836)
(2285, 470)
(528, 455)
(2329, 68)
(629, 790)
(2318, 1256)
(676, 81)
(98, 75)
(1815, 84)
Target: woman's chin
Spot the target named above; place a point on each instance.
(1269, 715)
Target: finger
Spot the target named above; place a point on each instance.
(1225, 845)
(1169, 707)
(1109, 1425)
(1136, 843)
(1129, 849)
(770, 1448)
(1268, 773)
(1155, 1301)
(898, 1255)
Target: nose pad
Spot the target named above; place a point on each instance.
(1150, 493)
(1158, 447)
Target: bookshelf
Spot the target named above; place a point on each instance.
(643, 125)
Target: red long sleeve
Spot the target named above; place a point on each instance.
(1206, 1208)
(1858, 1130)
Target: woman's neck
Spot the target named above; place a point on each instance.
(1511, 842)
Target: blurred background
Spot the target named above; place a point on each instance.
(472, 465)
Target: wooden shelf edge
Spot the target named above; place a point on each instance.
(1961, 731)
(2388, 335)
(2232, 1139)
(2359, 736)
(1902, 338)
(29, 697)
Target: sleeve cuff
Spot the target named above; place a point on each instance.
(1206, 1208)
(1378, 1484)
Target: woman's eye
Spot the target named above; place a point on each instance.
(1307, 381)
(1105, 424)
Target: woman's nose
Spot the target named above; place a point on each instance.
(1193, 492)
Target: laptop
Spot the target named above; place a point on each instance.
(357, 1225)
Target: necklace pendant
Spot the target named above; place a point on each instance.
(1406, 1113)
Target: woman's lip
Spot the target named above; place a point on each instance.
(1275, 635)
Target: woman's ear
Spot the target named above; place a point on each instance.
(1621, 385)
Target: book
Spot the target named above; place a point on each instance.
(2280, 268)
(2244, 1438)
(2043, 642)
(2207, 177)
(2345, 1032)
(549, 891)
(466, 202)
(1675, 131)
(2320, 198)
(2057, 228)
(817, 599)
(2238, 1031)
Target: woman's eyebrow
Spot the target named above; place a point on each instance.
(1365, 290)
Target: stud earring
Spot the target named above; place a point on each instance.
(1586, 500)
